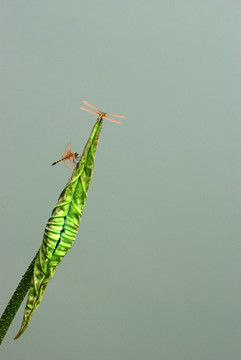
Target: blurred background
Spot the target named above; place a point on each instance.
(155, 269)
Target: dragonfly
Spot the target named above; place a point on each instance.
(70, 159)
(100, 113)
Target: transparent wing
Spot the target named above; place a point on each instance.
(90, 105)
(67, 150)
(113, 120)
(120, 116)
(88, 110)
(70, 164)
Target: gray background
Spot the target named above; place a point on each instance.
(155, 269)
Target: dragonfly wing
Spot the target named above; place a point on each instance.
(70, 164)
(88, 110)
(68, 148)
(120, 116)
(113, 120)
(92, 106)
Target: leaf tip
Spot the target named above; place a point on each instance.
(22, 329)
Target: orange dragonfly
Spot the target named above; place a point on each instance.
(100, 113)
(70, 159)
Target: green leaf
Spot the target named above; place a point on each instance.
(16, 300)
(59, 234)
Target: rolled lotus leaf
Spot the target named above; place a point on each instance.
(62, 226)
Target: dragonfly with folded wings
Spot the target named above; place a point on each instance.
(69, 158)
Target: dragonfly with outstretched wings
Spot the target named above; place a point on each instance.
(101, 114)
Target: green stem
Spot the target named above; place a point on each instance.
(16, 300)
